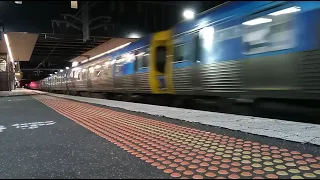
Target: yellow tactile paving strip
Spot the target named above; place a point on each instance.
(185, 152)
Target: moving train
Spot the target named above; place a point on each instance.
(237, 52)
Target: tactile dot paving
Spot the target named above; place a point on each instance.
(186, 152)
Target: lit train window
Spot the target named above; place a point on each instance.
(118, 64)
(271, 32)
(182, 52)
(118, 67)
(227, 33)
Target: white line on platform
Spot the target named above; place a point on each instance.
(2, 128)
(287, 130)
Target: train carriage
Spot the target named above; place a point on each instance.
(240, 50)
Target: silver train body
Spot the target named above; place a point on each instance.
(284, 73)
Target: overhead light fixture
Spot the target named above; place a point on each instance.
(8, 47)
(56, 72)
(188, 14)
(286, 11)
(61, 70)
(257, 21)
(74, 4)
(67, 68)
(18, 2)
(50, 74)
(134, 35)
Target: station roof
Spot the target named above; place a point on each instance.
(57, 44)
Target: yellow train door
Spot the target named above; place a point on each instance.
(161, 54)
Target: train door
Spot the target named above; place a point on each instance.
(67, 79)
(160, 76)
(196, 68)
(89, 78)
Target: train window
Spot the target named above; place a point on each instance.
(118, 64)
(145, 60)
(142, 61)
(136, 65)
(106, 72)
(118, 67)
(161, 58)
(139, 60)
(179, 53)
(271, 32)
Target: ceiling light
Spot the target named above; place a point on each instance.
(257, 21)
(74, 4)
(8, 47)
(188, 14)
(286, 11)
(134, 35)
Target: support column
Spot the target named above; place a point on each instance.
(85, 19)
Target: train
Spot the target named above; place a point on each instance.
(250, 52)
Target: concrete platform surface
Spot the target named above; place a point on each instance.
(49, 137)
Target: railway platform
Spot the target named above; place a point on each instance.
(45, 135)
